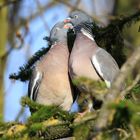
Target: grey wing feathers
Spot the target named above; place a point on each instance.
(34, 84)
(105, 65)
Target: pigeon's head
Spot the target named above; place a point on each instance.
(59, 32)
(78, 17)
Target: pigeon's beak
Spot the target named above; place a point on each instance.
(67, 20)
(68, 26)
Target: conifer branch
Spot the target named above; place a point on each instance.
(25, 71)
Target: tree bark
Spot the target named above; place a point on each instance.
(3, 37)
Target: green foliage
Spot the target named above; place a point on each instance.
(122, 116)
(34, 129)
(46, 122)
(81, 132)
(50, 122)
(96, 89)
(136, 120)
(47, 112)
(136, 89)
(11, 130)
(25, 101)
(134, 93)
(4, 126)
(41, 112)
(90, 84)
(127, 112)
(39, 131)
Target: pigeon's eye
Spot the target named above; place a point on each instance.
(75, 16)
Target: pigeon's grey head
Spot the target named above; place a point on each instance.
(59, 32)
(78, 17)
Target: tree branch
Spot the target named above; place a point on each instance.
(7, 3)
(115, 93)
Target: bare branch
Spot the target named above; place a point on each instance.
(41, 15)
(135, 81)
(7, 3)
(23, 22)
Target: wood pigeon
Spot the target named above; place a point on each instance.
(49, 83)
(87, 59)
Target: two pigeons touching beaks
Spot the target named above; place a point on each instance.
(52, 76)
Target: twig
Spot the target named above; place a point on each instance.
(124, 132)
(135, 81)
(21, 39)
(20, 113)
(7, 3)
(87, 117)
(41, 15)
(69, 5)
(133, 132)
(22, 21)
(128, 45)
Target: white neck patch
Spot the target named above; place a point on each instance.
(53, 44)
(87, 34)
